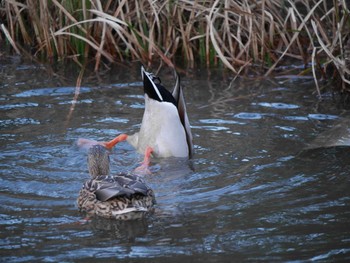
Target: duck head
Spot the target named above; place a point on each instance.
(98, 161)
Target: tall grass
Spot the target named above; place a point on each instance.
(236, 34)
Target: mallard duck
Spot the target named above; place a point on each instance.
(122, 196)
(165, 129)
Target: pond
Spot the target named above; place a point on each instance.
(251, 192)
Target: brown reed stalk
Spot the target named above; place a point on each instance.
(9, 38)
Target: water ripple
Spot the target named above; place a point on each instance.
(249, 115)
(278, 105)
(322, 116)
(50, 92)
(18, 121)
(18, 105)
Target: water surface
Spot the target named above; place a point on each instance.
(249, 194)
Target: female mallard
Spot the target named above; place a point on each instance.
(165, 129)
(123, 196)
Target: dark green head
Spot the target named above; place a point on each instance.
(98, 161)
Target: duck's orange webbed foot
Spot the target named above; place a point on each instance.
(86, 143)
(143, 169)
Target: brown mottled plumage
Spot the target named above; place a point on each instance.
(123, 196)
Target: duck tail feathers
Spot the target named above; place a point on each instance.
(149, 86)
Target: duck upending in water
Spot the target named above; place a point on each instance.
(124, 196)
(165, 129)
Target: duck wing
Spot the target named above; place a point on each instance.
(108, 193)
(119, 186)
(181, 108)
(135, 183)
(139, 187)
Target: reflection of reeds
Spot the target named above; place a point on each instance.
(236, 34)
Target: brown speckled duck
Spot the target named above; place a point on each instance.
(123, 196)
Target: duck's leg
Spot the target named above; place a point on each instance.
(86, 143)
(109, 145)
(144, 167)
(147, 157)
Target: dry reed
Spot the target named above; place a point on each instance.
(236, 34)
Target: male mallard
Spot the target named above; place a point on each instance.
(123, 196)
(165, 130)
